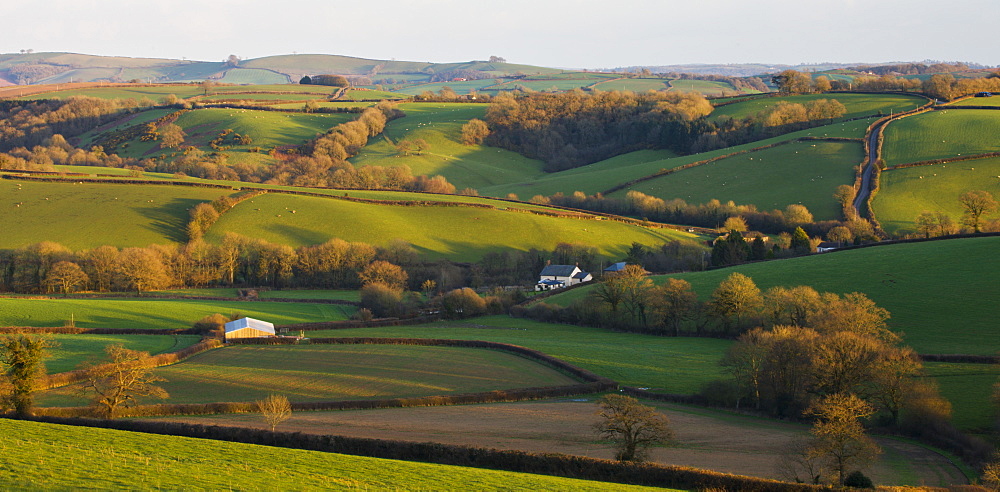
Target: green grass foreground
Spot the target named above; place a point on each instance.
(48, 456)
(672, 365)
(942, 295)
(172, 314)
(306, 373)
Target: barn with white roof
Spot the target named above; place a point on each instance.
(249, 328)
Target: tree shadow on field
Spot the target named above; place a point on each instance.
(300, 235)
(169, 219)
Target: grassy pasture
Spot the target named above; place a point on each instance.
(357, 95)
(88, 215)
(634, 85)
(600, 176)
(306, 373)
(326, 104)
(87, 139)
(942, 295)
(978, 101)
(253, 76)
(440, 124)
(706, 87)
(155, 93)
(968, 388)
(49, 456)
(460, 87)
(905, 193)
(805, 172)
(457, 233)
(857, 104)
(673, 365)
(76, 349)
(341, 295)
(133, 313)
(257, 97)
(941, 134)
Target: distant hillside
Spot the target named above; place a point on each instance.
(49, 68)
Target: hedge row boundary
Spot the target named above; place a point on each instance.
(931, 162)
(569, 466)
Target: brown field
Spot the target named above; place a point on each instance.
(705, 438)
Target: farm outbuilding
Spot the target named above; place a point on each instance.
(249, 328)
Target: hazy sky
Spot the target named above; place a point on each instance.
(556, 33)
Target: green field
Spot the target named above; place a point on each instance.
(706, 87)
(340, 295)
(634, 85)
(806, 172)
(48, 456)
(440, 125)
(600, 176)
(253, 76)
(88, 215)
(268, 129)
(119, 92)
(857, 104)
(157, 313)
(941, 134)
(905, 193)
(307, 373)
(456, 233)
(76, 349)
(978, 101)
(942, 295)
(258, 97)
(672, 365)
(969, 389)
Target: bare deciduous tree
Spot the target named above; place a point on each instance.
(275, 409)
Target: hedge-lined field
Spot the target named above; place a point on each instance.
(456, 233)
(171, 314)
(706, 87)
(41, 455)
(968, 388)
(440, 125)
(942, 295)
(76, 349)
(941, 134)
(119, 92)
(905, 193)
(672, 365)
(635, 85)
(803, 172)
(307, 373)
(857, 104)
(603, 175)
(88, 215)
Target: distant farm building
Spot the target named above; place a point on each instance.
(249, 328)
(825, 246)
(615, 267)
(559, 276)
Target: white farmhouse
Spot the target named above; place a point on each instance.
(559, 276)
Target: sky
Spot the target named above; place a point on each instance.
(554, 33)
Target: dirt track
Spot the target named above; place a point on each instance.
(705, 438)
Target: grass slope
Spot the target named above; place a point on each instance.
(905, 193)
(673, 365)
(88, 215)
(942, 295)
(48, 456)
(440, 124)
(941, 134)
(968, 388)
(857, 104)
(805, 172)
(602, 175)
(457, 233)
(157, 313)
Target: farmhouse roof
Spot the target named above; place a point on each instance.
(616, 267)
(558, 271)
(581, 275)
(255, 324)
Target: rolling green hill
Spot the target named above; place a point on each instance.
(857, 105)
(941, 134)
(941, 294)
